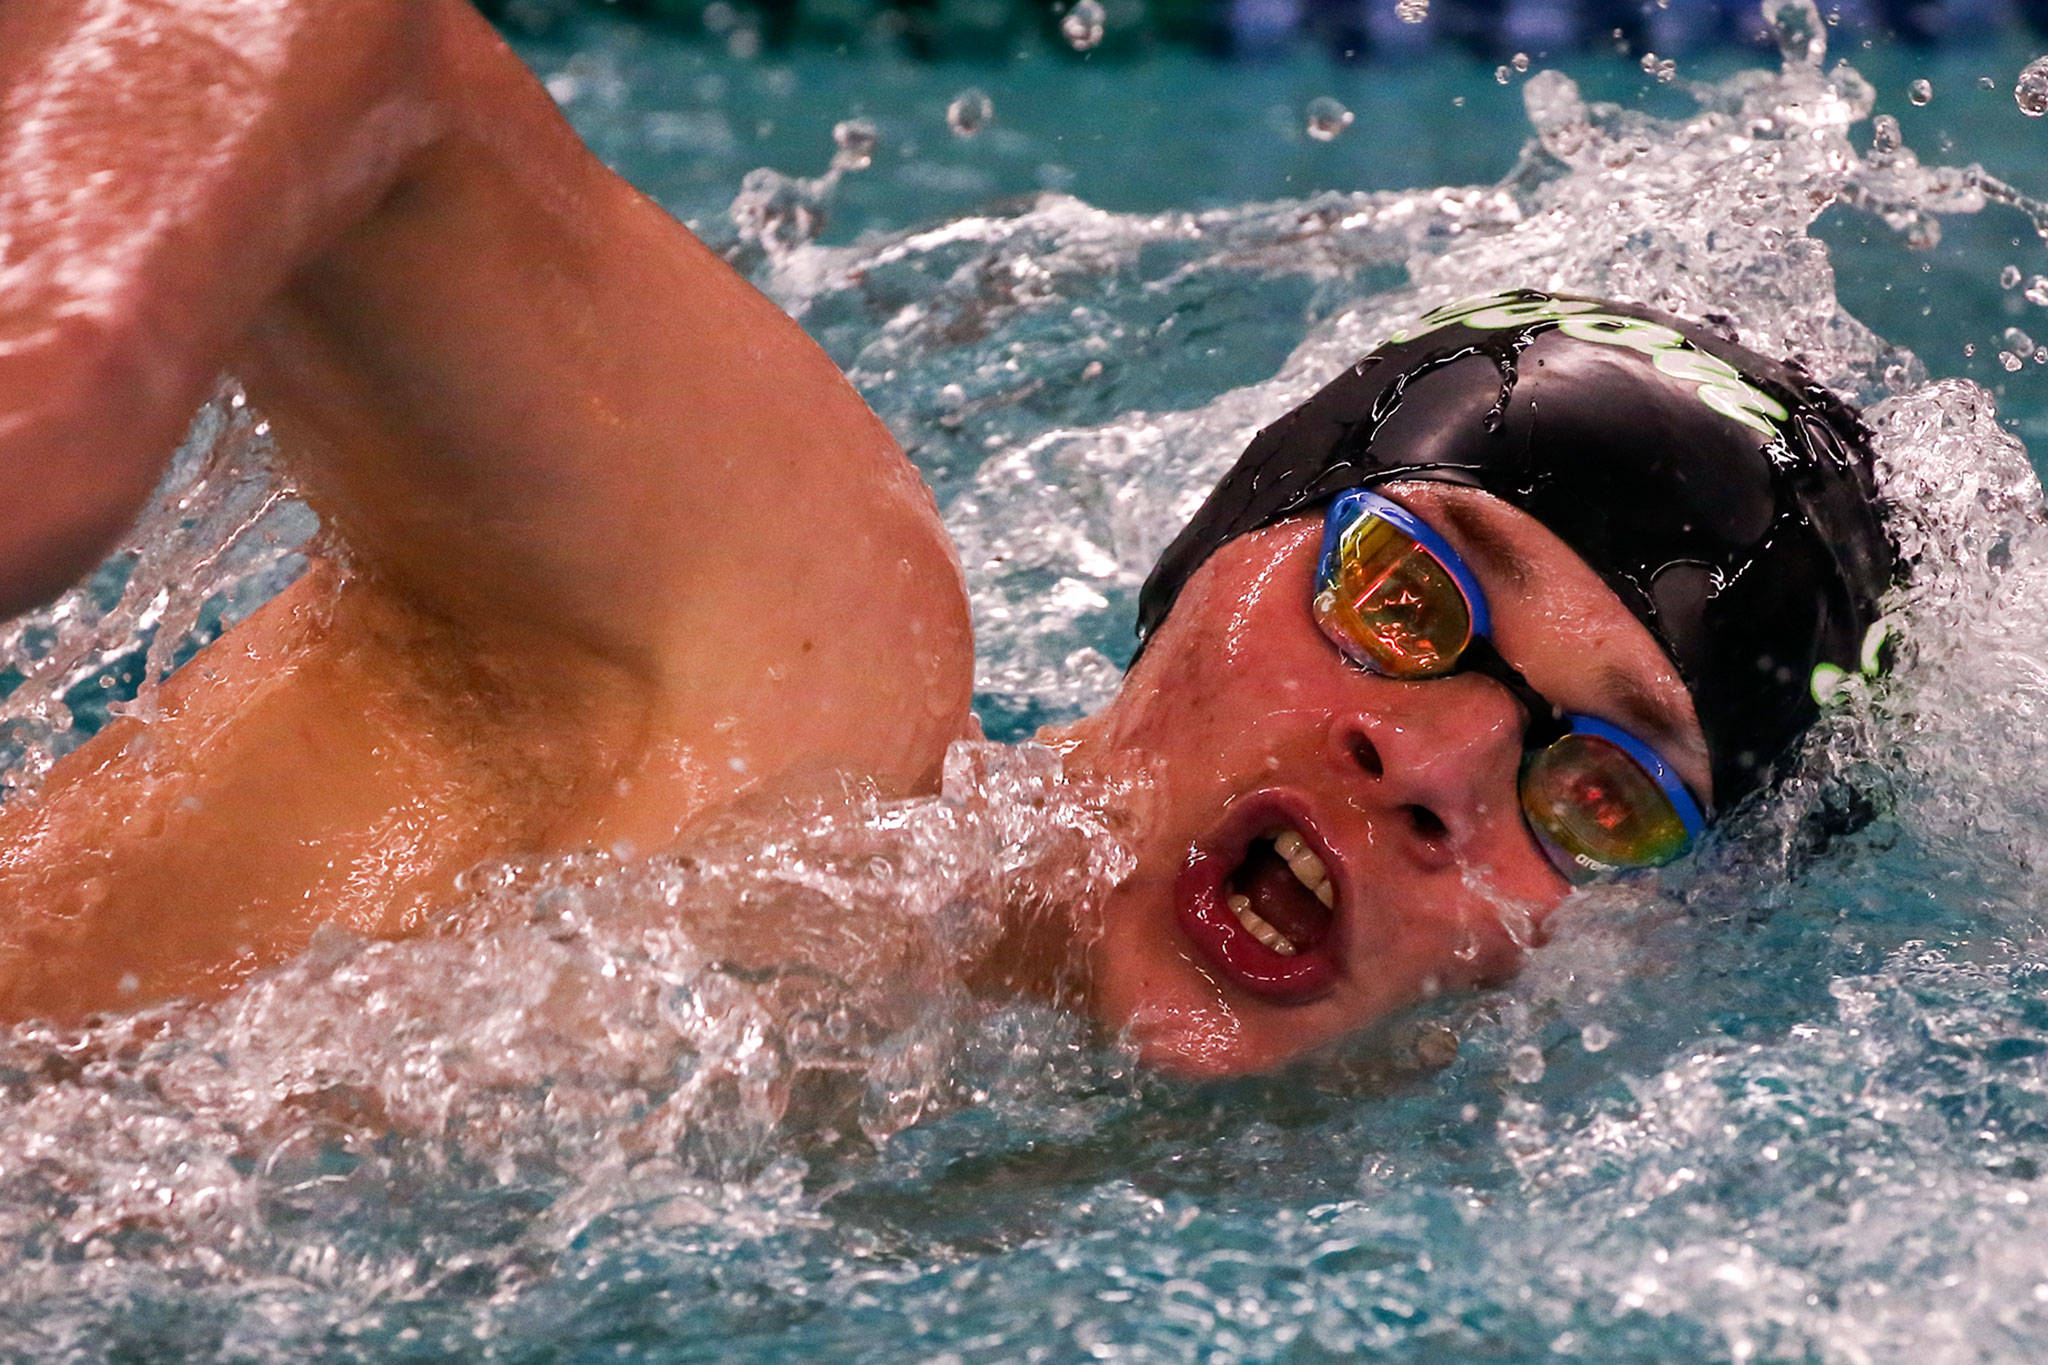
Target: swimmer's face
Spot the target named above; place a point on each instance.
(1403, 792)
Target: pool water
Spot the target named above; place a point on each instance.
(1789, 1102)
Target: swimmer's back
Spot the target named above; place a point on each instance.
(612, 540)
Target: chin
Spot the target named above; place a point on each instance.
(1193, 1047)
(1182, 1017)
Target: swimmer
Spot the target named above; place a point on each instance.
(1529, 596)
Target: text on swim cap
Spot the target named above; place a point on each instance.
(1717, 383)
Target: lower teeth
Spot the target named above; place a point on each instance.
(1241, 906)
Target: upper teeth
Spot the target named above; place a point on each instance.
(1307, 868)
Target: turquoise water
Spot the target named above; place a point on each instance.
(686, 122)
(1790, 1103)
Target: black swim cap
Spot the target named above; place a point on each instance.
(1727, 499)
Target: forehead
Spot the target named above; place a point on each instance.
(1555, 619)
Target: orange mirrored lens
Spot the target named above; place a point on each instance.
(1392, 607)
(1598, 807)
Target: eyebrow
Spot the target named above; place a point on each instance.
(1637, 710)
(1483, 541)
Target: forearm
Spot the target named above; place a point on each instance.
(165, 167)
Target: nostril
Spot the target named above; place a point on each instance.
(1367, 756)
(1424, 821)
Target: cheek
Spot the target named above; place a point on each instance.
(1514, 920)
(1475, 930)
(1239, 743)
(1212, 711)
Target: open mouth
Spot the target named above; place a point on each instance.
(1281, 893)
(1261, 904)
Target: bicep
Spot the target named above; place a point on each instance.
(535, 405)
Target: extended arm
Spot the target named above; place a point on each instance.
(615, 540)
(522, 392)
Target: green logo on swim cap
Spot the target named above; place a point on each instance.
(1717, 383)
(1828, 679)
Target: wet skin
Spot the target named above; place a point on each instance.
(554, 442)
(1247, 719)
(561, 599)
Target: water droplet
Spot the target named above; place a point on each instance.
(2009, 278)
(2009, 360)
(776, 210)
(1502, 75)
(1525, 1064)
(1411, 11)
(1596, 1037)
(970, 109)
(1436, 1046)
(2031, 90)
(1802, 37)
(1327, 118)
(1663, 69)
(1082, 26)
(1884, 135)
(1558, 113)
(2018, 342)
(1920, 91)
(1520, 61)
(855, 139)
(2037, 290)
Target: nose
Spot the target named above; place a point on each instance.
(1438, 762)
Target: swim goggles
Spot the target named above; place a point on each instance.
(1397, 600)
